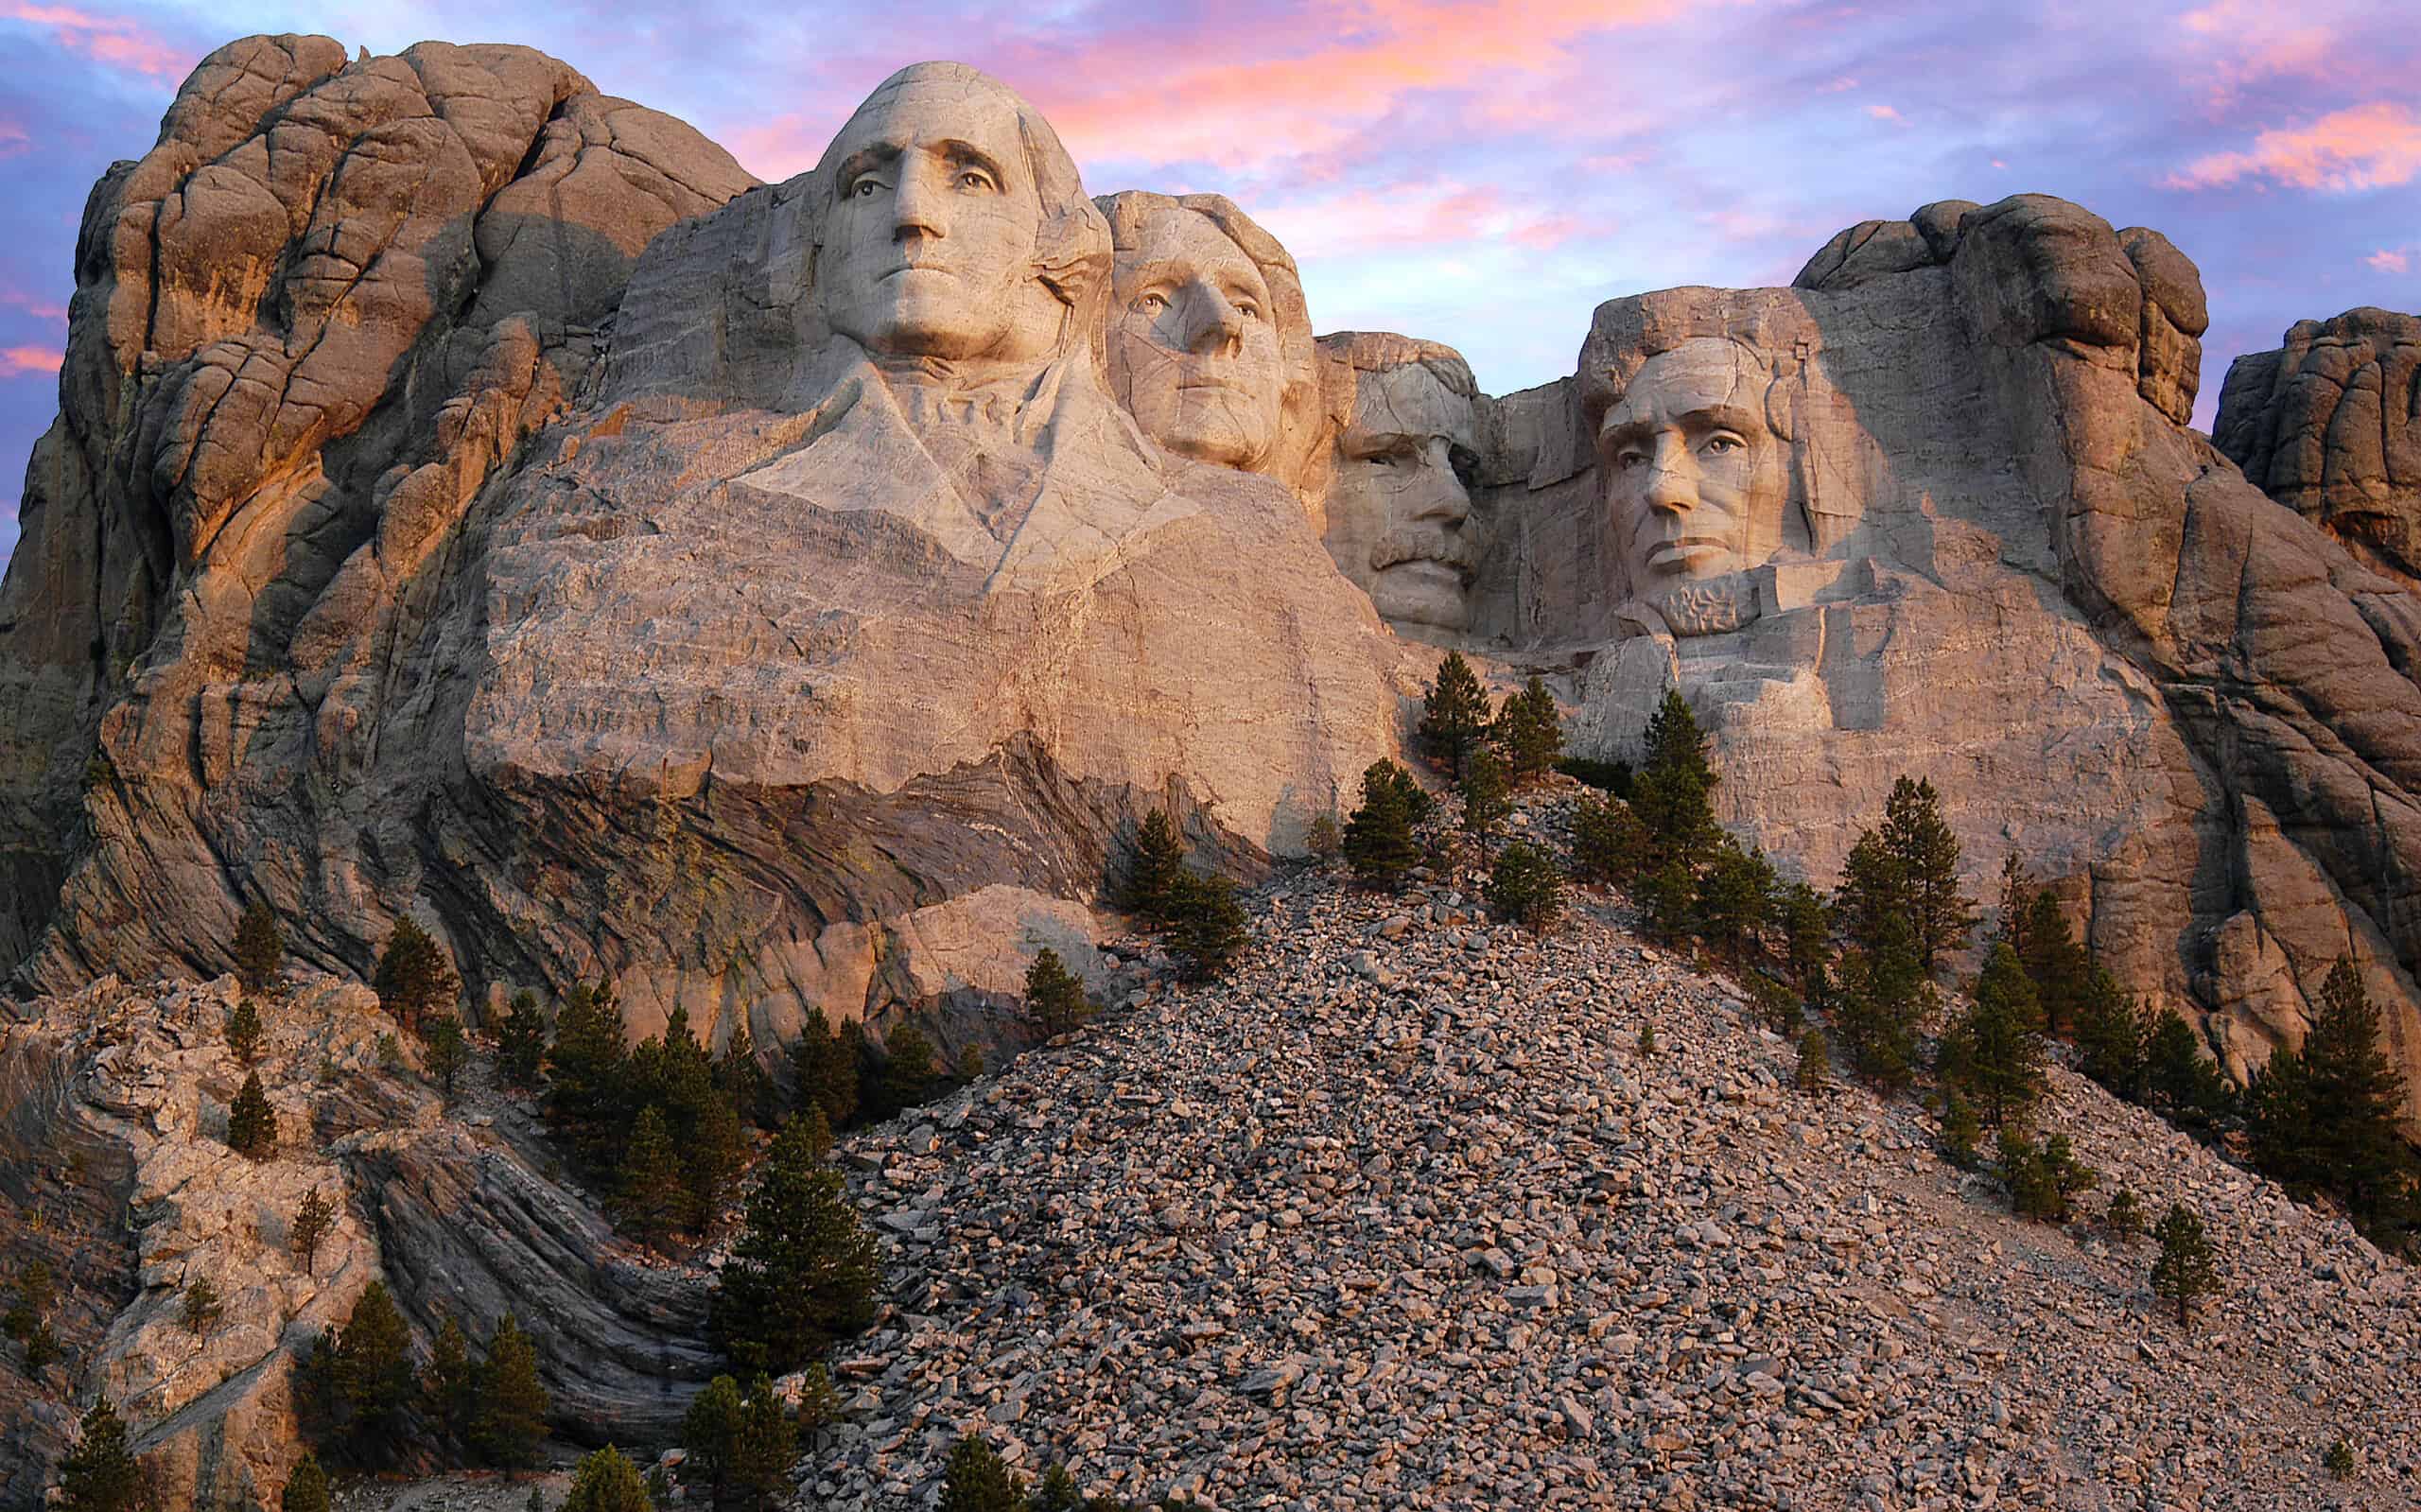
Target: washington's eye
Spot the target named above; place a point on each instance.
(976, 179)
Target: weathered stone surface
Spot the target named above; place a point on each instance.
(2329, 424)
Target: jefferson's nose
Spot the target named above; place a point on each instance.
(1216, 327)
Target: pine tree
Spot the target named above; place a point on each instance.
(312, 1222)
(2185, 1271)
(42, 1350)
(2061, 971)
(1057, 1492)
(1668, 895)
(975, 1479)
(607, 1481)
(414, 979)
(1154, 868)
(589, 1067)
(1486, 801)
(203, 1308)
(1915, 834)
(825, 1064)
(711, 1159)
(2112, 1039)
(1524, 886)
(252, 1123)
(1995, 1053)
(360, 1380)
(258, 948)
(2124, 1218)
(804, 1270)
(521, 1042)
(767, 1442)
(2043, 1180)
(710, 1431)
(306, 1487)
(1530, 730)
(1879, 1003)
(673, 1071)
(244, 1031)
(100, 1473)
(511, 1423)
(1608, 842)
(1962, 1133)
(1807, 935)
(741, 1077)
(1323, 838)
(448, 1053)
(1815, 1070)
(1874, 904)
(1207, 932)
(1735, 899)
(1054, 998)
(906, 1074)
(449, 1388)
(2017, 898)
(1378, 837)
(2323, 1117)
(648, 1196)
(1454, 714)
(1669, 796)
(2184, 1083)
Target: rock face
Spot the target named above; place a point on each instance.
(2329, 424)
(450, 1209)
(1962, 530)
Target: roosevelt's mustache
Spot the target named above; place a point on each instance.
(1458, 549)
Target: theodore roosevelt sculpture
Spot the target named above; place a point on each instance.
(1399, 505)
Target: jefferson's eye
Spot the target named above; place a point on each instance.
(1151, 304)
(1631, 456)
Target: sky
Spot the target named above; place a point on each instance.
(1481, 174)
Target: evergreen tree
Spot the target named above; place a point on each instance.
(448, 1053)
(510, 1424)
(1486, 801)
(648, 1196)
(1323, 838)
(710, 1431)
(1735, 899)
(2017, 899)
(589, 1067)
(2184, 1273)
(741, 1077)
(258, 948)
(1055, 997)
(1669, 794)
(1057, 1492)
(1814, 1070)
(1879, 1003)
(100, 1473)
(203, 1308)
(906, 1073)
(804, 1270)
(449, 1388)
(1960, 1132)
(975, 1479)
(521, 1042)
(1207, 932)
(2043, 1180)
(1646, 1041)
(1154, 868)
(2124, 1218)
(1525, 888)
(306, 1487)
(2184, 1084)
(252, 1123)
(1378, 837)
(1873, 904)
(1454, 714)
(2323, 1117)
(312, 1222)
(1995, 1053)
(360, 1380)
(1530, 731)
(1608, 842)
(711, 1159)
(607, 1481)
(825, 1064)
(1807, 933)
(763, 1448)
(2061, 971)
(414, 979)
(42, 1350)
(1917, 837)
(244, 1031)
(672, 1072)
(2112, 1039)
(1668, 895)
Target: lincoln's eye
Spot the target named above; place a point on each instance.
(863, 188)
(1249, 310)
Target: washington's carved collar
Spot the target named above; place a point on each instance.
(1003, 406)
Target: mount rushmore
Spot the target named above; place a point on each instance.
(474, 498)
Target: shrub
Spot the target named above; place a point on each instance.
(1646, 1041)
(203, 1308)
(1454, 714)
(804, 1270)
(1606, 777)
(2339, 1461)
(1487, 800)
(1814, 1070)
(252, 1123)
(414, 979)
(258, 948)
(1524, 886)
(1208, 932)
(1323, 838)
(1378, 837)
(1153, 867)
(244, 1031)
(1055, 997)
(607, 1481)
(2184, 1272)
(306, 1487)
(1530, 730)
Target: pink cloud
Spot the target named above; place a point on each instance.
(2362, 146)
(17, 361)
(119, 41)
(1883, 113)
(2391, 262)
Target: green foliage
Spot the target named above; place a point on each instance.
(2324, 1118)
(100, 1473)
(975, 1479)
(1879, 1003)
(739, 1076)
(2058, 966)
(510, 1424)
(740, 1446)
(1669, 796)
(648, 1195)
(1154, 868)
(2044, 1179)
(36, 1290)
(1530, 731)
(2180, 1082)
(252, 1123)
(306, 1488)
(203, 1308)
(825, 1064)
(521, 1042)
(1814, 1072)
(1207, 932)
(258, 948)
(1525, 888)
(450, 1387)
(903, 1075)
(1807, 934)
(1918, 839)
(804, 1270)
(607, 1481)
(1608, 842)
(42, 1350)
(819, 1400)
(1054, 996)
(244, 1031)
(1487, 799)
(1454, 714)
(1962, 1133)
(1873, 904)
(2113, 1037)
(1668, 895)
(449, 1051)
(1606, 777)
(2339, 1461)
(390, 1054)
(1994, 1053)
(1646, 1041)
(1323, 838)
(312, 1222)
(2186, 1271)
(2017, 899)
(2124, 1218)
(359, 1381)
(1735, 899)
(1378, 836)
(589, 1073)
(711, 1159)
(414, 980)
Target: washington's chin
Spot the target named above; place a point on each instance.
(1422, 593)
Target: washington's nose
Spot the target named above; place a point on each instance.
(916, 209)
(1216, 326)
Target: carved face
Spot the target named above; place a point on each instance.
(1398, 508)
(928, 249)
(1696, 479)
(1192, 343)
